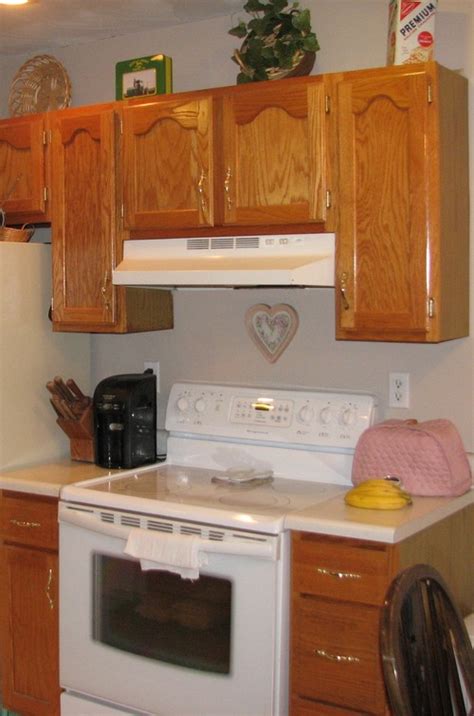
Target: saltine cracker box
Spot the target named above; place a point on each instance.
(411, 31)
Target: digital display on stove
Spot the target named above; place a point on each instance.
(268, 411)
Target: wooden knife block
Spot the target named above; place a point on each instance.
(81, 436)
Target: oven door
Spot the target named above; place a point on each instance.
(151, 641)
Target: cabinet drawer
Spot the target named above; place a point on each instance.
(29, 519)
(305, 707)
(336, 653)
(346, 569)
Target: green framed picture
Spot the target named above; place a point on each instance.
(143, 76)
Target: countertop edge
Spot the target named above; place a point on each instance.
(309, 520)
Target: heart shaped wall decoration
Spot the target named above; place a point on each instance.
(271, 328)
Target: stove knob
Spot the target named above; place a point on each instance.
(200, 405)
(306, 414)
(182, 404)
(347, 416)
(325, 415)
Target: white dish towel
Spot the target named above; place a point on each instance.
(172, 553)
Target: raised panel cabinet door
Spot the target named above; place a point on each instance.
(383, 259)
(84, 221)
(30, 654)
(167, 164)
(273, 169)
(23, 168)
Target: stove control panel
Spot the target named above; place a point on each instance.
(293, 416)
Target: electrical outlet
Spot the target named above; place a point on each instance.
(399, 390)
(155, 366)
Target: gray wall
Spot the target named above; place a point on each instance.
(209, 341)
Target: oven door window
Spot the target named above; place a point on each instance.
(158, 615)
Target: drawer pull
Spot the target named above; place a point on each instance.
(22, 523)
(338, 575)
(337, 657)
(48, 589)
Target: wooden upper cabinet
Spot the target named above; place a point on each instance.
(83, 155)
(402, 263)
(87, 233)
(23, 169)
(167, 163)
(273, 165)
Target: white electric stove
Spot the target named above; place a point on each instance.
(239, 460)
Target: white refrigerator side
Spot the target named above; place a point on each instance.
(30, 355)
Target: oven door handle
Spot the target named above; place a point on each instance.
(263, 547)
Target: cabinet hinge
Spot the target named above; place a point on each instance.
(328, 199)
(45, 193)
(327, 104)
(429, 91)
(431, 307)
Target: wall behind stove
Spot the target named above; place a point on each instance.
(209, 342)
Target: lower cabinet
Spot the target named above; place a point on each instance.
(29, 604)
(338, 591)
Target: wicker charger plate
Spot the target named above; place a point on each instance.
(41, 84)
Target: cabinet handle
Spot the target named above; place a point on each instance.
(343, 289)
(48, 589)
(336, 657)
(200, 186)
(338, 575)
(103, 290)
(22, 523)
(227, 188)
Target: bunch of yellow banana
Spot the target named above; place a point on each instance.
(378, 494)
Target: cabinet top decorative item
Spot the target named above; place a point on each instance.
(40, 85)
(277, 42)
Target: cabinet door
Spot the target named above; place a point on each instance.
(274, 154)
(23, 169)
(84, 222)
(168, 164)
(383, 262)
(30, 659)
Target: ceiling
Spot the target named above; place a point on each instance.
(48, 24)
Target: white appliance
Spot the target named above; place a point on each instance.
(147, 640)
(227, 261)
(30, 355)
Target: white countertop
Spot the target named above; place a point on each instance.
(334, 517)
(48, 478)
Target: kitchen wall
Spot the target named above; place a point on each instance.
(209, 341)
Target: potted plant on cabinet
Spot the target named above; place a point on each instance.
(277, 42)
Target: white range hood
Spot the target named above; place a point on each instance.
(229, 261)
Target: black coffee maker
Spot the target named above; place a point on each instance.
(125, 420)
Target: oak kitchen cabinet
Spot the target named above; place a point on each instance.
(86, 231)
(338, 589)
(244, 156)
(379, 156)
(29, 604)
(24, 169)
(403, 236)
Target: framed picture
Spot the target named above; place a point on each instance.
(143, 76)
